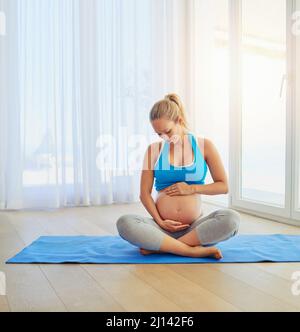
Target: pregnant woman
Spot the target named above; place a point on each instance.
(179, 166)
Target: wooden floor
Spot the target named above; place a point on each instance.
(149, 287)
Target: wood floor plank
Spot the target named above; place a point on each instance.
(132, 292)
(106, 217)
(78, 290)
(27, 288)
(264, 281)
(255, 225)
(282, 270)
(53, 224)
(188, 295)
(29, 228)
(4, 306)
(231, 289)
(80, 221)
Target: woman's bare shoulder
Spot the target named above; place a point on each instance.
(202, 143)
(206, 146)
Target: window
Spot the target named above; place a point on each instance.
(264, 122)
(263, 129)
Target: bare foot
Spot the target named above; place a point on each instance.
(200, 251)
(149, 252)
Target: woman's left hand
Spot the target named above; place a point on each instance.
(180, 188)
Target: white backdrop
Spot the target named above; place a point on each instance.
(74, 70)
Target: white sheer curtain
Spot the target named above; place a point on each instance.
(75, 73)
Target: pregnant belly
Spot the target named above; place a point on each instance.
(186, 208)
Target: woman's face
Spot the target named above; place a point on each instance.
(167, 130)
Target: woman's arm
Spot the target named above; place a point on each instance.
(147, 179)
(217, 171)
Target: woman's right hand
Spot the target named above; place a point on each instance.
(172, 225)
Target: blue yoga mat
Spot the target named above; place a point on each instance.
(114, 250)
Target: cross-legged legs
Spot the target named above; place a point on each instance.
(145, 233)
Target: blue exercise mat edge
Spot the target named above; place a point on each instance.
(112, 249)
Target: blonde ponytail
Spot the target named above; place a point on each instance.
(171, 108)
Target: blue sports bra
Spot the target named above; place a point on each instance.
(166, 174)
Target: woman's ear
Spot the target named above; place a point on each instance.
(179, 121)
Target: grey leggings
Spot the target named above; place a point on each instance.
(144, 232)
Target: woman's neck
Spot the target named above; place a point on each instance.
(183, 133)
